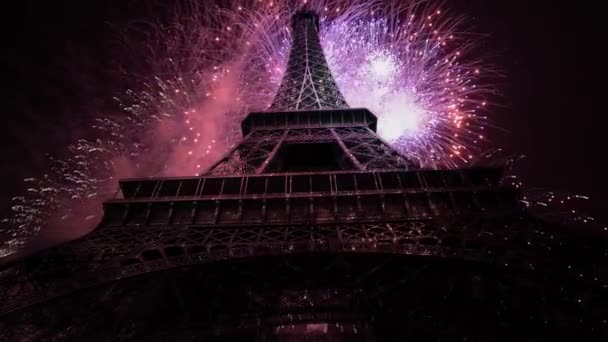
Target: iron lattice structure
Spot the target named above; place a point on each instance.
(308, 83)
(346, 135)
(313, 229)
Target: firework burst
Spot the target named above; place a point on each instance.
(409, 62)
(410, 69)
(200, 71)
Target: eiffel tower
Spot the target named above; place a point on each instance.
(313, 229)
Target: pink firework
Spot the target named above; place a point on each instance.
(411, 69)
(195, 75)
(409, 62)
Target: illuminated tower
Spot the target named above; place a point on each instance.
(313, 229)
(308, 83)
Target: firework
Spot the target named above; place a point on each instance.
(409, 62)
(409, 69)
(196, 74)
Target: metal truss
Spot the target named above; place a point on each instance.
(308, 83)
(113, 253)
(360, 145)
(482, 181)
(368, 151)
(168, 223)
(250, 155)
(247, 247)
(405, 296)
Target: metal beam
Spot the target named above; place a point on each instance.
(271, 155)
(346, 150)
(226, 156)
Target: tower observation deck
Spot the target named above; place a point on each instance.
(313, 229)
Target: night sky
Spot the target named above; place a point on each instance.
(551, 103)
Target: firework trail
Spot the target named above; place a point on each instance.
(200, 71)
(563, 208)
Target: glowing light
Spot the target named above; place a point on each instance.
(382, 67)
(412, 72)
(401, 118)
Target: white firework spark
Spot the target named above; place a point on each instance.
(212, 62)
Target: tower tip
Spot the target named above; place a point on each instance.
(305, 15)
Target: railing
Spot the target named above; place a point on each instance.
(309, 119)
(317, 182)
